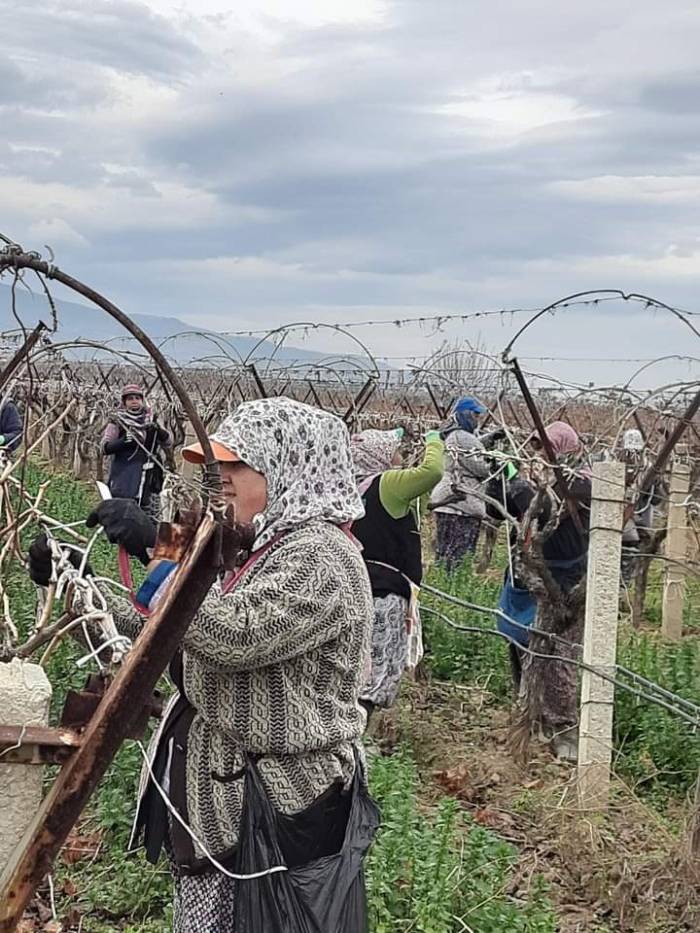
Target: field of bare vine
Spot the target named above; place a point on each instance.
(474, 838)
(470, 840)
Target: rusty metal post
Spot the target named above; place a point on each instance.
(442, 413)
(258, 381)
(112, 722)
(21, 354)
(676, 552)
(314, 394)
(360, 400)
(560, 482)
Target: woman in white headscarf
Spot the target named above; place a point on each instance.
(272, 663)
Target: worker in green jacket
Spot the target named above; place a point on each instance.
(390, 536)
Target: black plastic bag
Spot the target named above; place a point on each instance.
(326, 895)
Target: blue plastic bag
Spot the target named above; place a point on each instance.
(519, 605)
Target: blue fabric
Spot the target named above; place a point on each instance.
(465, 412)
(469, 404)
(466, 421)
(11, 425)
(148, 588)
(125, 475)
(520, 606)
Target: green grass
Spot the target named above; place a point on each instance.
(438, 872)
(656, 751)
(468, 658)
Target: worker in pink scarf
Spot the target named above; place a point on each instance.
(565, 552)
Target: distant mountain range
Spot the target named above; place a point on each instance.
(86, 322)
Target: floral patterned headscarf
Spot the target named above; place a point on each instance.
(304, 454)
(373, 451)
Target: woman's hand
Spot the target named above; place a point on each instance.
(127, 525)
(39, 562)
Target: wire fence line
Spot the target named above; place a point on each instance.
(644, 689)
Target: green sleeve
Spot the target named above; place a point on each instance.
(399, 488)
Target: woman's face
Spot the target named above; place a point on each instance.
(133, 403)
(245, 489)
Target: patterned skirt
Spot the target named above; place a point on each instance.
(204, 903)
(389, 648)
(457, 536)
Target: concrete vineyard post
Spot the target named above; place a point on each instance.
(25, 693)
(600, 636)
(676, 552)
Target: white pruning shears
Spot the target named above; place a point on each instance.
(103, 490)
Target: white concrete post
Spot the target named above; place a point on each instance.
(600, 635)
(25, 693)
(676, 552)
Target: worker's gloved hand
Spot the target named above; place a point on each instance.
(432, 436)
(492, 437)
(39, 561)
(127, 525)
(2, 440)
(408, 432)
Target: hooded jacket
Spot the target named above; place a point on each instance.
(465, 471)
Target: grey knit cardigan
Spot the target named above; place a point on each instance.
(275, 668)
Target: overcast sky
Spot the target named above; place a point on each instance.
(351, 159)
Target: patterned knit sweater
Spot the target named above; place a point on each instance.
(275, 668)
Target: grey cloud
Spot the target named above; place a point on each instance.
(13, 83)
(677, 94)
(123, 34)
(382, 200)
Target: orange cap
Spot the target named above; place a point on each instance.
(195, 454)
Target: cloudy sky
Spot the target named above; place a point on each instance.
(340, 160)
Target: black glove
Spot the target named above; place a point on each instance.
(125, 524)
(125, 442)
(488, 440)
(40, 561)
